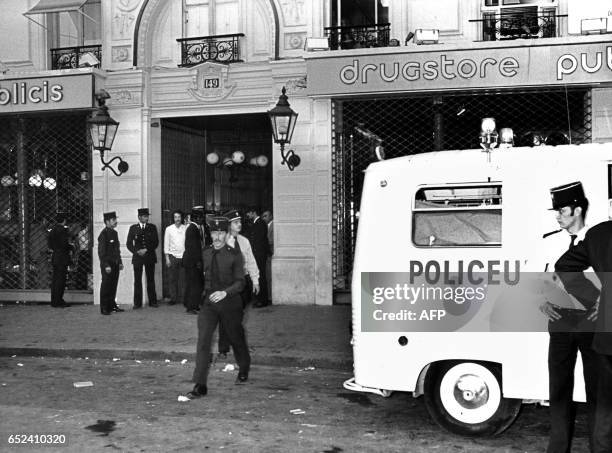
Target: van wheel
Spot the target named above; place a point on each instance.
(466, 398)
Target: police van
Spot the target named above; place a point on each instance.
(471, 220)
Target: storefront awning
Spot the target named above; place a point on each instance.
(55, 6)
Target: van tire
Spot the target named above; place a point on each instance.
(466, 398)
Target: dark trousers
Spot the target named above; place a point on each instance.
(245, 295)
(176, 279)
(193, 287)
(562, 353)
(58, 283)
(228, 313)
(602, 434)
(262, 297)
(150, 272)
(108, 288)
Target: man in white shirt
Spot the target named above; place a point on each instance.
(174, 247)
(251, 272)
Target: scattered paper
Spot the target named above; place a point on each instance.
(83, 384)
(297, 411)
(13, 356)
(183, 362)
(167, 361)
(308, 425)
(20, 364)
(116, 359)
(229, 367)
(138, 361)
(182, 399)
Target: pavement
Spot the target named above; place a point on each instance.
(278, 335)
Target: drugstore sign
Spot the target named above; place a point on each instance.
(47, 93)
(460, 69)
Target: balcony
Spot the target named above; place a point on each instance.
(359, 36)
(520, 25)
(76, 57)
(218, 49)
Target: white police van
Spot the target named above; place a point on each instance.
(426, 220)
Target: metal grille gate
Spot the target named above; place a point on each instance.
(45, 167)
(416, 124)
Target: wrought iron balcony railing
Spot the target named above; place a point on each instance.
(219, 49)
(74, 57)
(520, 25)
(359, 36)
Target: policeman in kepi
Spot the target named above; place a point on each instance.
(110, 264)
(59, 243)
(571, 326)
(221, 303)
(142, 241)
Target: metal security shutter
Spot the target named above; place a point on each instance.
(45, 167)
(416, 124)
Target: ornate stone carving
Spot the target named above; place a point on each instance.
(124, 17)
(293, 12)
(121, 53)
(295, 85)
(294, 41)
(211, 82)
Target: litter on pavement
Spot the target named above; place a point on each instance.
(116, 359)
(229, 367)
(183, 362)
(297, 411)
(83, 384)
(182, 399)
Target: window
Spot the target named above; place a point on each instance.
(77, 27)
(359, 12)
(514, 19)
(210, 17)
(457, 216)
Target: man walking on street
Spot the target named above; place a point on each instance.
(142, 241)
(251, 273)
(110, 264)
(59, 243)
(571, 327)
(595, 251)
(221, 303)
(258, 237)
(192, 262)
(174, 247)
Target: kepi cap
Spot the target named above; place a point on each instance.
(218, 224)
(197, 211)
(566, 195)
(143, 211)
(232, 215)
(110, 215)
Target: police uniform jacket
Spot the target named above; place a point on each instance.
(59, 242)
(139, 238)
(108, 248)
(228, 273)
(595, 251)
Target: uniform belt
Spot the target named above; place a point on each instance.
(571, 311)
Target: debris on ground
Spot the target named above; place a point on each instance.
(83, 384)
(229, 367)
(115, 359)
(167, 360)
(20, 364)
(183, 362)
(297, 411)
(182, 399)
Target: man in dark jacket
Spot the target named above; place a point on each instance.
(142, 241)
(110, 264)
(595, 251)
(59, 243)
(257, 234)
(221, 303)
(192, 261)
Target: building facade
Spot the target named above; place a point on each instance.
(190, 84)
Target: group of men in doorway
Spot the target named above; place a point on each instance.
(184, 243)
(585, 326)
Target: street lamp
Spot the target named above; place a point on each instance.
(283, 119)
(102, 129)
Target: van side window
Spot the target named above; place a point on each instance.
(458, 215)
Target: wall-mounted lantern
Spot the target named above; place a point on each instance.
(283, 119)
(102, 129)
